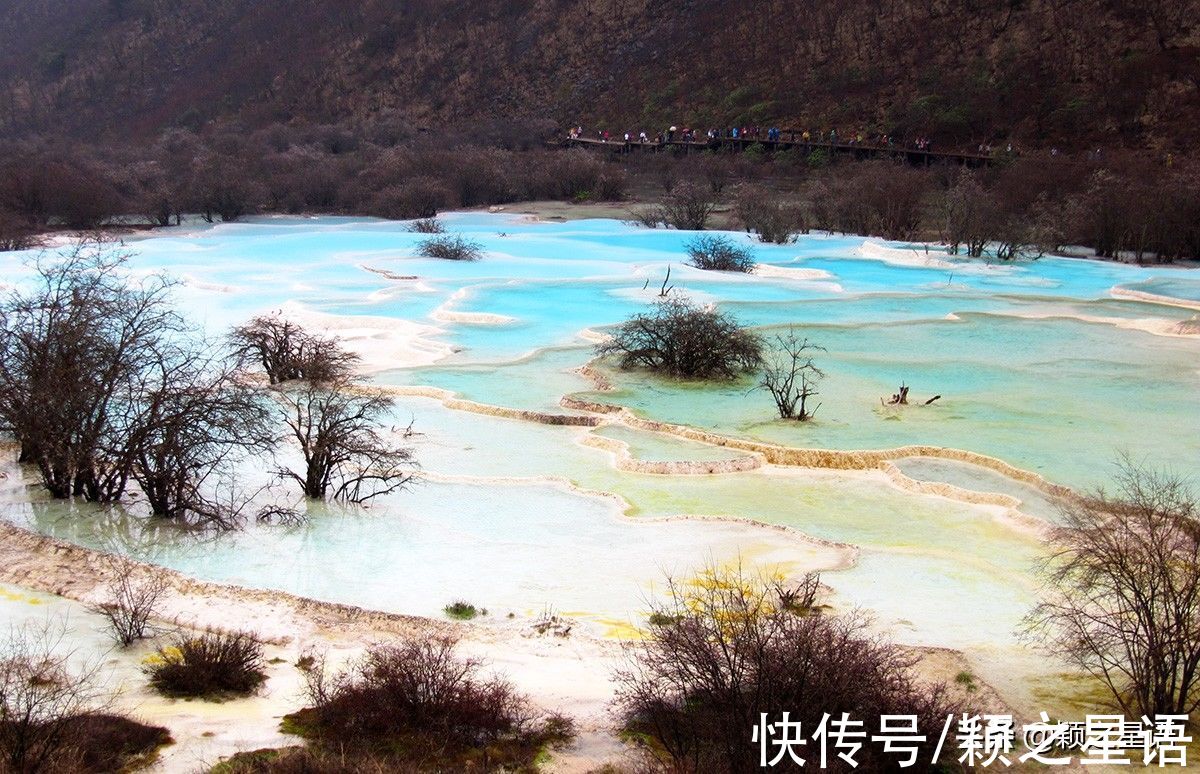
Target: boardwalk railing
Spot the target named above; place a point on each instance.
(857, 150)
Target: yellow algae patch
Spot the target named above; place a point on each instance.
(12, 596)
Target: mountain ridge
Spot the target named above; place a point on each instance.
(1070, 73)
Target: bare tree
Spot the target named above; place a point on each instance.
(966, 215)
(195, 420)
(42, 697)
(770, 216)
(286, 351)
(133, 596)
(791, 376)
(15, 233)
(73, 353)
(1122, 592)
(335, 424)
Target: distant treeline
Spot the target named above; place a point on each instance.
(1118, 204)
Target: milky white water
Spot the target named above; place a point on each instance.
(1052, 366)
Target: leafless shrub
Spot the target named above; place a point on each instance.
(877, 198)
(280, 515)
(420, 702)
(726, 651)
(16, 233)
(345, 456)
(39, 189)
(286, 351)
(718, 253)
(223, 188)
(772, 217)
(450, 248)
(416, 197)
(647, 218)
(800, 598)
(791, 376)
(132, 599)
(681, 339)
(427, 226)
(687, 207)
(209, 665)
(1122, 592)
(550, 621)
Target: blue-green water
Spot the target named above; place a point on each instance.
(1037, 364)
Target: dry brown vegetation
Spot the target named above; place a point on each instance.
(210, 665)
(54, 717)
(1122, 597)
(729, 646)
(1077, 73)
(418, 705)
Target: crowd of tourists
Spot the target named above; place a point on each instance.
(771, 134)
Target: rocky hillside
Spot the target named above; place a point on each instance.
(1069, 73)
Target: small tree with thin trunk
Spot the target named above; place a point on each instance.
(133, 597)
(791, 376)
(1122, 592)
(335, 424)
(194, 420)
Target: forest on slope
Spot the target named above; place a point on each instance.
(1074, 74)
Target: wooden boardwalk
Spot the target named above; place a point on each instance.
(913, 156)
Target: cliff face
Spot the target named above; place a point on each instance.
(1072, 73)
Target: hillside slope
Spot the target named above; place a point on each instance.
(1073, 73)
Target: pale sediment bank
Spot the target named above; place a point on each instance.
(596, 414)
(446, 312)
(571, 676)
(820, 458)
(1155, 326)
(382, 343)
(450, 400)
(1153, 298)
(55, 566)
(791, 272)
(624, 460)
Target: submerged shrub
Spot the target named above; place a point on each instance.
(427, 226)
(719, 253)
(209, 665)
(450, 248)
(681, 339)
(418, 702)
(460, 610)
